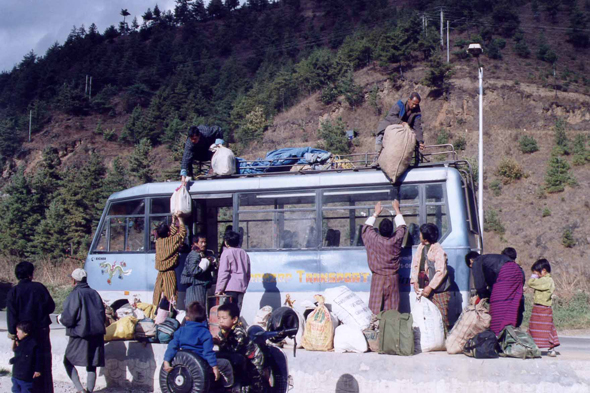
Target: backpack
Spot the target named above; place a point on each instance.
(396, 335)
(165, 330)
(483, 346)
(517, 344)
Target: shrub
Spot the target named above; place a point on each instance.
(442, 137)
(496, 187)
(562, 144)
(334, 136)
(528, 144)
(460, 143)
(558, 176)
(329, 95)
(567, 239)
(491, 222)
(253, 126)
(109, 135)
(581, 155)
(522, 49)
(546, 212)
(509, 170)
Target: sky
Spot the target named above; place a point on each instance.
(37, 24)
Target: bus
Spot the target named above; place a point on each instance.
(300, 229)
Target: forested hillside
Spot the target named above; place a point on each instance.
(309, 69)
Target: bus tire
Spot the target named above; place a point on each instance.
(190, 374)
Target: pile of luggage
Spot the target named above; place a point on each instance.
(142, 321)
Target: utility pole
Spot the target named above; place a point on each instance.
(555, 81)
(448, 54)
(441, 28)
(86, 88)
(90, 89)
(30, 123)
(423, 24)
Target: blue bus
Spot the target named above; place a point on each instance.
(300, 229)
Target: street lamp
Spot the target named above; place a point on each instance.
(475, 50)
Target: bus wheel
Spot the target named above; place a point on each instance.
(190, 374)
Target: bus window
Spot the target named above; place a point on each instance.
(101, 244)
(409, 195)
(412, 219)
(127, 208)
(135, 232)
(160, 206)
(272, 221)
(154, 223)
(436, 209)
(117, 240)
(345, 211)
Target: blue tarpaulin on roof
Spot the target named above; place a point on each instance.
(282, 159)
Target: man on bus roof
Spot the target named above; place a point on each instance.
(196, 148)
(400, 113)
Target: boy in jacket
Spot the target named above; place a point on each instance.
(27, 360)
(194, 336)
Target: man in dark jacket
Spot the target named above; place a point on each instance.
(400, 113)
(200, 138)
(485, 269)
(31, 301)
(83, 316)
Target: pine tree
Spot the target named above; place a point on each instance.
(132, 129)
(578, 30)
(558, 175)
(438, 74)
(51, 236)
(10, 140)
(47, 180)
(20, 213)
(172, 132)
(140, 163)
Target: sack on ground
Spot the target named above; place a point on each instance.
(145, 328)
(123, 329)
(473, 320)
(396, 336)
(516, 343)
(348, 307)
(165, 330)
(223, 161)
(483, 346)
(349, 339)
(180, 202)
(262, 316)
(148, 309)
(398, 146)
(429, 331)
(319, 330)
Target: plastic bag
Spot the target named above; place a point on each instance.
(180, 202)
(123, 329)
(223, 161)
(429, 331)
(349, 339)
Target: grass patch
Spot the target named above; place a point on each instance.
(567, 314)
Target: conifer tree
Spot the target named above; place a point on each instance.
(47, 180)
(20, 213)
(140, 163)
(51, 236)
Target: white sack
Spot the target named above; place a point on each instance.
(349, 339)
(429, 331)
(223, 161)
(348, 307)
(180, 202)
(262, 317)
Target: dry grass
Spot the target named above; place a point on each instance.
(48, 272)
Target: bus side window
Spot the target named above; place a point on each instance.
(101, 244)
(436, 208)
(154, 223)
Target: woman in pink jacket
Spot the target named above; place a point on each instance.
(429, 275)
(234, 269)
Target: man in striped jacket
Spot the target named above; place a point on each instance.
(168, 242)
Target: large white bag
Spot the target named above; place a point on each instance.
(262, 317)
(180, 203)
(223, 161)
(348, 307)
(349, 339)
(429, 331)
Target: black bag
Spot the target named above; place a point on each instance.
(482, 346)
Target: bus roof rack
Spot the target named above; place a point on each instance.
(430, 156)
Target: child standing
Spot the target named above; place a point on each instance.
(234, 270)
(26, 363)
(235, 345)
(541, 326)
(194, 336)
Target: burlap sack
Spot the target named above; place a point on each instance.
(319, 332)
(473, 320)
(398, 145)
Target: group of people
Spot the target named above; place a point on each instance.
(497, 277)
